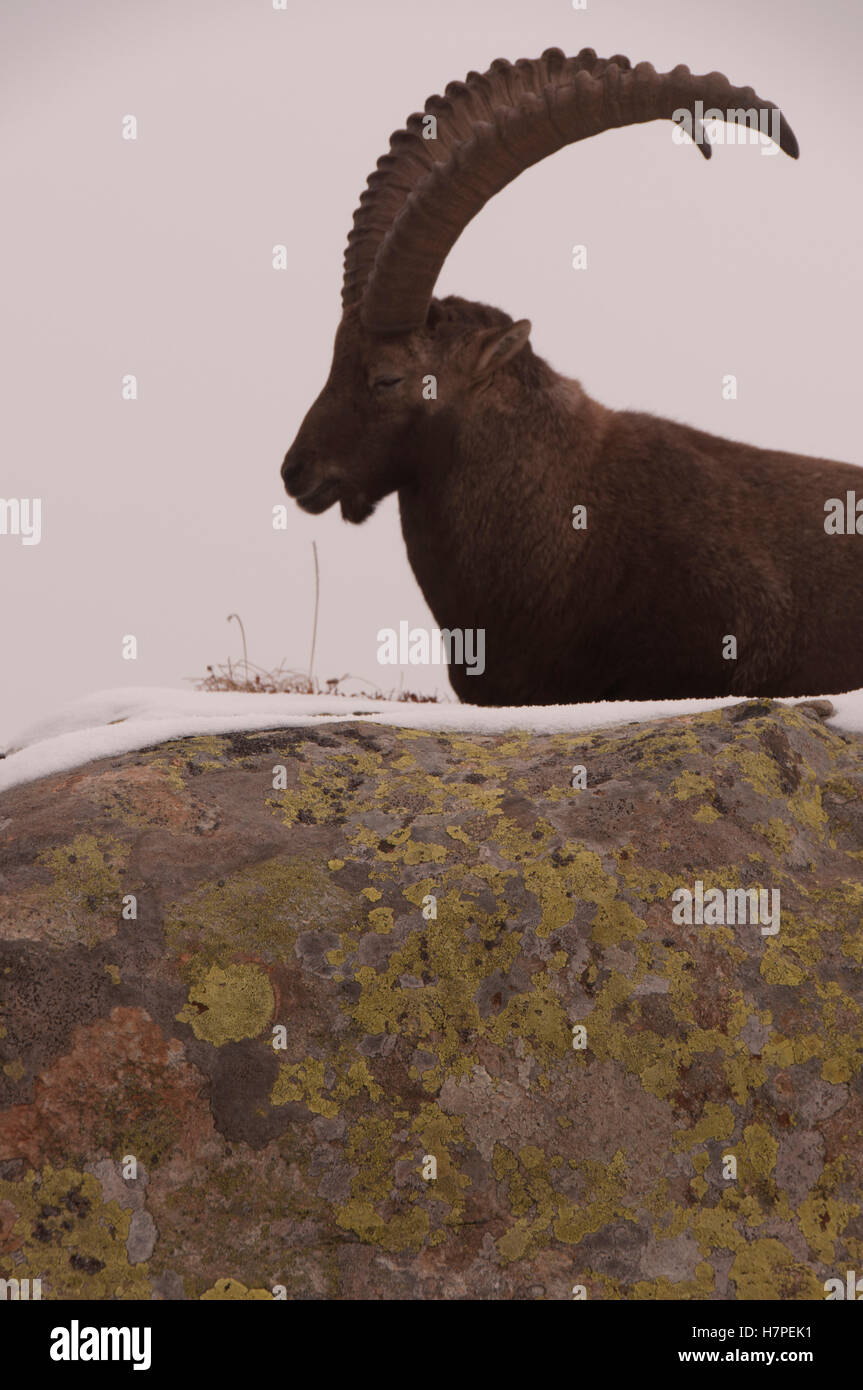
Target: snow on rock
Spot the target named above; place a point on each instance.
(112, 722)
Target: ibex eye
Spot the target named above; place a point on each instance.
(388, 381)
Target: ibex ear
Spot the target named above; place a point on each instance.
(498, 345)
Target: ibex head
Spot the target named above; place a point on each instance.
(405, 363)
(359, 441)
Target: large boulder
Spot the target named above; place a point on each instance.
(241, 1053)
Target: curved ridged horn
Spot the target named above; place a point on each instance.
(411, 157)
(489, 129)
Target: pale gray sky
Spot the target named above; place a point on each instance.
(258, 127)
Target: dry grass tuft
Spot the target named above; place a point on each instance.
(245, 676)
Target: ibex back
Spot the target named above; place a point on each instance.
(699, 567)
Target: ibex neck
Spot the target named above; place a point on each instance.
(490, 488)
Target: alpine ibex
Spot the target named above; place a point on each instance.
(690, 540)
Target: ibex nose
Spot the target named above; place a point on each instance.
(292, 468)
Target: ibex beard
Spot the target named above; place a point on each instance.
(703, 568)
